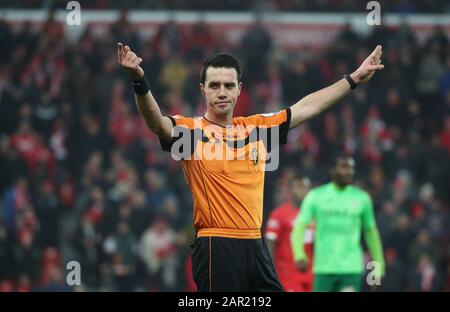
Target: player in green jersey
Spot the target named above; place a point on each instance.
(341, 212)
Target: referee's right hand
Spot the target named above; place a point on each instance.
(130, 61)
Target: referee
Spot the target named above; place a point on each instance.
(228, 253)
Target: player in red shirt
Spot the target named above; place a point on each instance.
(277, 235)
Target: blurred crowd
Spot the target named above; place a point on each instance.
(83, 179)
(393, 6)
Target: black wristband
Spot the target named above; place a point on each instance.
(352, 83)
(140, 86)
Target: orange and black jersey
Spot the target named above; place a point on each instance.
(224, 168)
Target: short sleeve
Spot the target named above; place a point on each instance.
(166, 145)
(277, 121)
(183, 128)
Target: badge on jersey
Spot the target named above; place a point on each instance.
(255, 156)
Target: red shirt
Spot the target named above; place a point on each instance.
(279, 228)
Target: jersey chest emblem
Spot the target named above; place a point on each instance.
(255, 156)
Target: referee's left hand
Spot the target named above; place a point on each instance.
(130, 61)
(368, 68)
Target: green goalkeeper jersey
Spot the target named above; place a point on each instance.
(340, 215)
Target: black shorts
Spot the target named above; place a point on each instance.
(231, 264)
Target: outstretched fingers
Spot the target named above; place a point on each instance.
(375, 56)
(376, 52)
(373, 68)
(136, 62)
(124, 54)
(119, 52)
(127, 57)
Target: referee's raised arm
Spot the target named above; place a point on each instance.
(145, 102)
(319, 101)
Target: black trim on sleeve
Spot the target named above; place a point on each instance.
(166, 146)
(284, 127)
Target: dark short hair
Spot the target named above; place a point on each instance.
(305, 180)
(218, 60)
(338, 158)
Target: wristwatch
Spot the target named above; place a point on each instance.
(352, 83)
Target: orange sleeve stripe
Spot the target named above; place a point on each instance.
(230, 233)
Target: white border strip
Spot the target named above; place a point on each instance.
(139, 16)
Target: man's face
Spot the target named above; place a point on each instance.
(344, 171)
(221, 90)
(299, 189)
